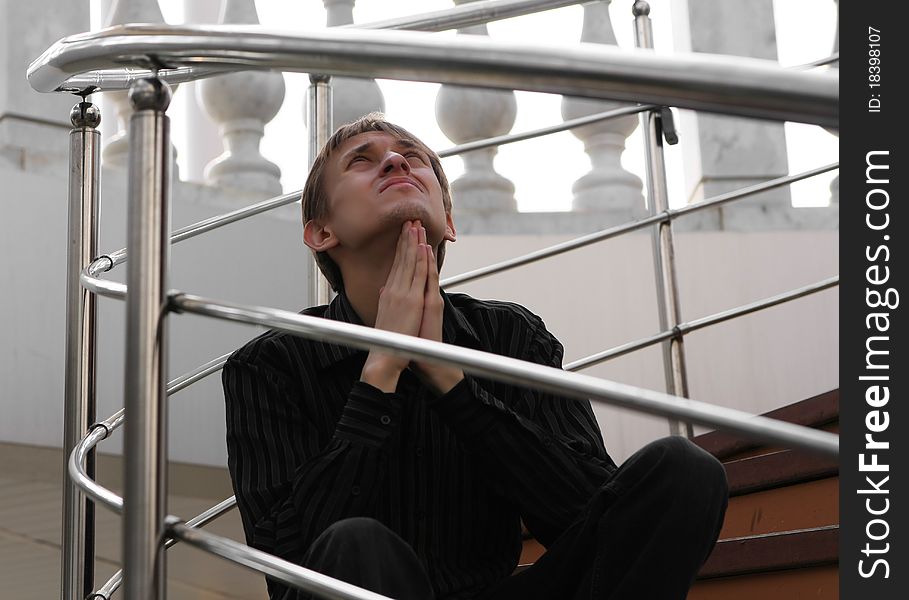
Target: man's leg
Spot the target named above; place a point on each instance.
(669, 502)
(366, 553)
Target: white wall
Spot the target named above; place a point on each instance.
(592, 299)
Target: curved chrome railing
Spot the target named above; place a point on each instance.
(87, 62)
(738, 86)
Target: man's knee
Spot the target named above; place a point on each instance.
(353, 535)
(688, 468)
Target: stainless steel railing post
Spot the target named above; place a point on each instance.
(320, 129)
(79, 400)
(663, 249)
(148, 246)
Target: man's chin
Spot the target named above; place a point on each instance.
(408, 211)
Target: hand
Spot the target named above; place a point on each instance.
(400, 305)
(438, 377)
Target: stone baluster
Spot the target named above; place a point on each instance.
(128, 11)
(466, 114)
(351, 97)
(242, 103)
(731, 152)
(607, 187)
(202, 143)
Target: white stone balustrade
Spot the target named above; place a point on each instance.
(466, 114)
(607, 186)
(351, 97)
(242, 103)
(117, 148)
(730, 152)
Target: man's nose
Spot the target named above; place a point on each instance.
(395, 162)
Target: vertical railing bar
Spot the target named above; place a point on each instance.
(320, 129)
(148, 244)
(663, 250)
(77, 542)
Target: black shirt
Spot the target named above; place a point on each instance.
(453, 475)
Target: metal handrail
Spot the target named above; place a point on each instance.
(103, 429)
(732, 85)
(92, 282)
(513, 371)
(106, 591)
(264, 563)
(76, 469)
(510, 138)
(833, 58)
(216, 364)
(617, 230)
(683, 328)
(475, 13)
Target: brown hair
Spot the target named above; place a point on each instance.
(315, 196)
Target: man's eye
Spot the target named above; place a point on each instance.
(416, 155)
(356, 158)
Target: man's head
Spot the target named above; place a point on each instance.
(369, 178)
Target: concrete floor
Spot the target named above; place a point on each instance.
(30, 525)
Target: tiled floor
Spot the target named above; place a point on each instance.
(30, 523)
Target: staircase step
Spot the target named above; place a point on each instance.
(792, 584)
(783, 566)
(801, 506)
(776, 469)
(820, 412)
(773, 551)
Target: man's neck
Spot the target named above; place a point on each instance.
(362, 290)
(366, 272)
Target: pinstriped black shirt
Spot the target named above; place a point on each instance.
(453, 475)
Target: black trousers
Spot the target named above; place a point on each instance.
(644, 534)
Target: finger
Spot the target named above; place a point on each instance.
(422, 237)
(394, 276)
(433, 269)
(409, 259)
(432, 279)
(420, 270)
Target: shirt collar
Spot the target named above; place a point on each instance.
(456, 329)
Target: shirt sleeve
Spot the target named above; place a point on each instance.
(294, 477)
(544, 452)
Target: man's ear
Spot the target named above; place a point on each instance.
(319, 237)
(450, 233)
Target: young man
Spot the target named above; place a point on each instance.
(412, 479)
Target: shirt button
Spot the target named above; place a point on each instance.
(355, 490)
(385, 419)
(419, 451)
(421, 514)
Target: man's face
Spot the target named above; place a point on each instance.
(375, 182)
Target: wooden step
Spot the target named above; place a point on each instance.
(780, 538)
(782, 566)
(776, 469)
(802, 506)
(821, 412)
(773, 552)
(821, 583)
